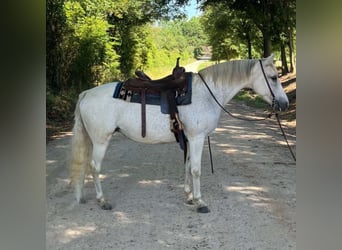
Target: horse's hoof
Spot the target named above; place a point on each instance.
(203, 210)
(106, 206)
(189, 202)
(82, 201)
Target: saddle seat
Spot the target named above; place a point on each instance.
(176, 81)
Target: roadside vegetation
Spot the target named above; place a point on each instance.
(92, 42)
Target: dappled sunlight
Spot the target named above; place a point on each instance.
(77, 232)
(89, 178)
(48, 162)
(221, 130)
(255, 194)
(252, 136)
(122, 217)
(246, 189)
(283, 142)
(248, 140)
(150, 182)
(123, 175)
(241, 132)
(235, 151)
(102, 176)
(62, 135)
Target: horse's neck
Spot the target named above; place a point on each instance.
(224, 92)
(229, 93)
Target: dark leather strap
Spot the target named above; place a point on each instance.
(143, 112)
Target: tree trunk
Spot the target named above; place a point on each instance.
(267, 44)
(266, 28)
(249, 46)
(290, 45)
(284, 67)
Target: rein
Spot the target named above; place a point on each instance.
(229, 113)
(247, 119)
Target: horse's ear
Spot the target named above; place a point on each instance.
(269, 60)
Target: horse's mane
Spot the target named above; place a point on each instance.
(232, 71)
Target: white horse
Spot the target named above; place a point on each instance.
(98, 116)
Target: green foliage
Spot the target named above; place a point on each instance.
(172, 39)
(228, 32)
(88, 47)
(257, 24)
(59, 107)
(90, 42)
(55, 27)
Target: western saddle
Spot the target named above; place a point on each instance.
(168, 88)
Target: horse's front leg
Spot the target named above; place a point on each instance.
(187, 180)
(196, 147)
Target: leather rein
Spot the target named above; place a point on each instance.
(247, 119)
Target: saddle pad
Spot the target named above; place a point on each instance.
(153, 99)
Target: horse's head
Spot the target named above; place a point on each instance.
(266, 83)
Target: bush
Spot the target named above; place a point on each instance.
(59, 108)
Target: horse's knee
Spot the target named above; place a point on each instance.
(195, 172)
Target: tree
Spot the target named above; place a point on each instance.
(266, 15)
(93, 41)
(55, 22)
(230, 33)
(88, 46)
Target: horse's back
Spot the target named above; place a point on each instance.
(102, 115)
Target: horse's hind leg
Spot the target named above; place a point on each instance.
(99, 151)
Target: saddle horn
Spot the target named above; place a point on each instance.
(177, 71)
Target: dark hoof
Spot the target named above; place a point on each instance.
(106, 206)
(203, 210)
(82, 201)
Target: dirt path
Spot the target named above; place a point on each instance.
(252, 194)
(192, 67)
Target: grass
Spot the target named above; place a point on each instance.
(205, 64)
(250, 98)
(162, 71)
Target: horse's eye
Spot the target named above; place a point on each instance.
(274, 78)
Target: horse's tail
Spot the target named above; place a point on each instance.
(80, 152)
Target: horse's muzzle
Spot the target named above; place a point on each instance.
(280, 105)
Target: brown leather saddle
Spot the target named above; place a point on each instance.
(168, 87)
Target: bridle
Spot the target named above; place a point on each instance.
(243, 118)
(268, 85)
(274, 102)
